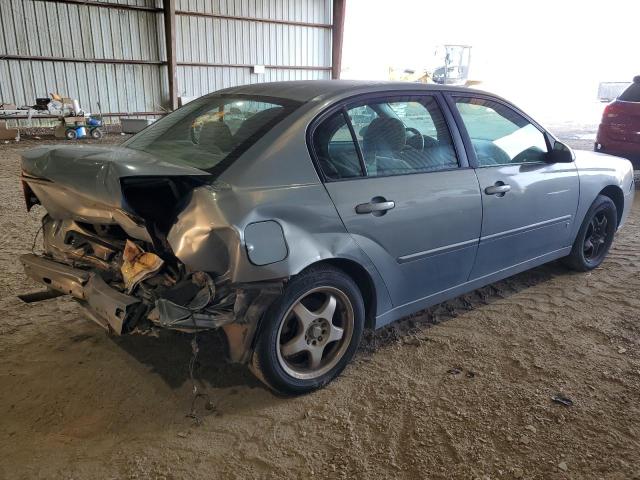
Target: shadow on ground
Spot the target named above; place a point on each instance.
(169, 354)
(410, 326)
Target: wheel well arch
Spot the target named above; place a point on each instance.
(615, 194)
(364, 282)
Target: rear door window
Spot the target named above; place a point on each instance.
(388, 136)
(336, 150)
(403, 135)
(631, 93)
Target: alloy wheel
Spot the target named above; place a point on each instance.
(596, 237)
(315, 333)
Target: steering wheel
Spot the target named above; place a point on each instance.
(416, 140)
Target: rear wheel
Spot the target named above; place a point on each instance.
(71, 134)
(96, 133)
(595, 236)
(310, 334)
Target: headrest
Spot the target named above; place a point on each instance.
(217, 133)
(384, 133)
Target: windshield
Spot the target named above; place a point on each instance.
(212, 131)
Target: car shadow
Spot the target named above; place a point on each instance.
(169, 354)
(410, 326)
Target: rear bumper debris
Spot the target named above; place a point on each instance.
(237, 310)
(107, 303)
(55, 275)
(108, 307)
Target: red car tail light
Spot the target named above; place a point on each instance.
(612, 110)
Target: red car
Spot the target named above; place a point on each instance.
(619, 131)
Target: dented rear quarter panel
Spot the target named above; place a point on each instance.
(274, 180)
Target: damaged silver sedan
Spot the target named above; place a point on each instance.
(294, 215)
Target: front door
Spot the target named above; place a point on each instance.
(391, 169)
(529, 205)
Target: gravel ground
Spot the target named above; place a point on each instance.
(462, 390)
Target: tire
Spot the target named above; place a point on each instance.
(595, 236)
(297, 349)
(96, 133)
(71, 134)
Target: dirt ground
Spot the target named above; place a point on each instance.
(463, 390)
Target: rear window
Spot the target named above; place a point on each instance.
(212, 131)
(631, 94)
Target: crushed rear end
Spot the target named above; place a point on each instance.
(115, 220)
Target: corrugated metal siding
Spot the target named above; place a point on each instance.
(216, 40)
(47, 29)
(197, 81)
(36, 28)
(310, 11)
(249, 42)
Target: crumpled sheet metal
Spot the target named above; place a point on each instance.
(179, 317)
(138, 265)
(199, 313)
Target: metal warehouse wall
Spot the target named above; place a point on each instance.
(214, 52)
(61, 31)
(113, 51)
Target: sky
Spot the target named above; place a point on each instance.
(547, 56)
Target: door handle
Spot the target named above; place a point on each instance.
(377, 206)
(499, 189)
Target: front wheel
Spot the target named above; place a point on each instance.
(310, 333)
(595, 236)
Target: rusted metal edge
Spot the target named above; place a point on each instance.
(170, 39)
(37, 58)
(120, 61)
(337, 35)
(237, 65)
(120, 6)
(94, 3)
(253, 19)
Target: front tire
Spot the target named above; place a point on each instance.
(595, 236)
(310, 333)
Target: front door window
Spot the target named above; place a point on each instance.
(499, 135)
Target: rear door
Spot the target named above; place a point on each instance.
(529, 205)
(410, 202)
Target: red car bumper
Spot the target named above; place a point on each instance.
(625, 149)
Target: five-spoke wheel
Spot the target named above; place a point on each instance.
(315, 333)
(309, 335)
(595, 235)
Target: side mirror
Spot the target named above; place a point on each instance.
(561, 153)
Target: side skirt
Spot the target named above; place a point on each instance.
(426, 302)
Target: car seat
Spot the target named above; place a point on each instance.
(382, 145)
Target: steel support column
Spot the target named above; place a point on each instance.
(337, 34)
(170, 38)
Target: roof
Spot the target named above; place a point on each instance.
(308, 90)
